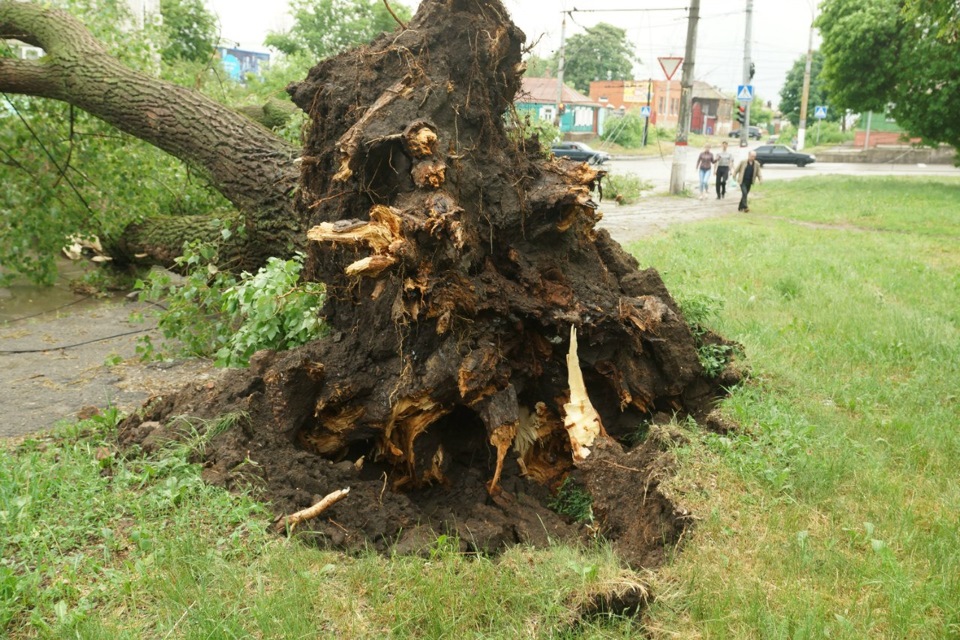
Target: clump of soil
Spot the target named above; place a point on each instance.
(629, 508)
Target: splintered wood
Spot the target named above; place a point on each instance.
(382, 235)
(580, 418)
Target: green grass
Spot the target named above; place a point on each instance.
(834, 514)
(625, 189)
(97, 545)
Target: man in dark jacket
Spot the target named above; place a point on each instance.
(747, 174)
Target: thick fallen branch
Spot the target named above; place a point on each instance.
(288, 523)
(247, 163)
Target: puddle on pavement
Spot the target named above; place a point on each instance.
(21, 299)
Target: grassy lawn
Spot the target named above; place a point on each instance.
(834, 514)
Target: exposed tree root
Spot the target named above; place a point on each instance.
(487, 340)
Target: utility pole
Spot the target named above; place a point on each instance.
(560, 65)
(747, 35)
(646, 121)
(805, 96)
(686, 102)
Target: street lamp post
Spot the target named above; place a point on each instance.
(805, 96)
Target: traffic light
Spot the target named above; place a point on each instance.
(741, 114)
(561, 108)
(753, 70)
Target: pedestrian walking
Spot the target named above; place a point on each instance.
(705, 167)
(723, 162)
(747, 174)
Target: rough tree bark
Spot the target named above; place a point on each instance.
(484, 332)
(253, 168)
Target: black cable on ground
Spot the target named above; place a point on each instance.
(40, 313)
(78, 344)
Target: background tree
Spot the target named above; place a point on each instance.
(602, 53)
(189, 29)
(625, 130)
(538, 67)
(202, 161)
(760, 114)
(945, 15)
(880, 53)
(792, 92)
(324, 28)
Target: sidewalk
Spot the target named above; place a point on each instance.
(654, 213)
(53, 366)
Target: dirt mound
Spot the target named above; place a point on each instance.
(251, 454)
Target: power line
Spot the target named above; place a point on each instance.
(626, 10)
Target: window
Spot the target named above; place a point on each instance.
(583, 117)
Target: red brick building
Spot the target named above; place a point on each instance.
(712, 111)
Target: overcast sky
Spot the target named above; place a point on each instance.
(781, 30)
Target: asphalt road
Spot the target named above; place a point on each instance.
(657, 169)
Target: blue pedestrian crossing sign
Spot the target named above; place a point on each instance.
(820, 112)
(644, 111)
(745, 93)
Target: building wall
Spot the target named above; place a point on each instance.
(711, 114)
(238, 63)
(664, 97)
(881, 138)
(576, 118)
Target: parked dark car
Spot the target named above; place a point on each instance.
(579, 152)
(754, 133)
(782, 154)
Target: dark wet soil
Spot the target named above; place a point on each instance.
(628, 507)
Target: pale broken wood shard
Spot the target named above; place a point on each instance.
(501, 438)
(500, 415)
(420, 139)
(382, 235)
(370, 267)
(443, 215)
(287, 523)
(646, 313)
(429, 174)
(542, 445)
(580, 418)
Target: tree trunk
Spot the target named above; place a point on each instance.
(483, 331)
(253, 168)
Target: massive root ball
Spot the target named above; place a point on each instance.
(463, 273)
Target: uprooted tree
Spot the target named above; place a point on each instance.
(486, 341)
